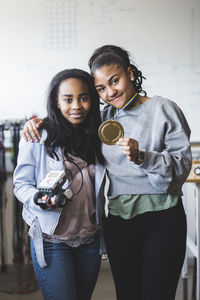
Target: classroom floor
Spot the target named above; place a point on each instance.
(104, 288)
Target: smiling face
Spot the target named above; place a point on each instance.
(114, 84)
(74, 100)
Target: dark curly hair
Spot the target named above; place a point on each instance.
(61, 133)
(110, 54)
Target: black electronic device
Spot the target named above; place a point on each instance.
(50, 192)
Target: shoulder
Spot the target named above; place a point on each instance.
(165, 105)
(107, 112)
(168, 112)
(27, 146)
(43, 134)
(163, 102)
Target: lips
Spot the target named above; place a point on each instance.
(77, 116)
(115, 99)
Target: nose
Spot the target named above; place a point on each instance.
(76, 105)
(111, 91)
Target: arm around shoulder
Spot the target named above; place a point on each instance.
(30, 131)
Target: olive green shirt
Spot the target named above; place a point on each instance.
(129, 206)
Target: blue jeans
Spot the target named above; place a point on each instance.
(71, 273)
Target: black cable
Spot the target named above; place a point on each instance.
(68, 171)
(72, 175)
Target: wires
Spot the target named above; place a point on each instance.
(71, 180)
(69, 175)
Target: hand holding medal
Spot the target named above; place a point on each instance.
(111, 131)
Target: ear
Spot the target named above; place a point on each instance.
(58, 105)
(130, 74)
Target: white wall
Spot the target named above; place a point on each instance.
(40, 37)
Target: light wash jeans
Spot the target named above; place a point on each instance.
(71, 273)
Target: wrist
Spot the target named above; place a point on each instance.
(140, 157)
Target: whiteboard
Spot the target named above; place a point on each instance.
(38, 38)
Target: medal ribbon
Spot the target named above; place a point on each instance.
(117, 109)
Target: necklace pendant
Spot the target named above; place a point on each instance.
(110, 132)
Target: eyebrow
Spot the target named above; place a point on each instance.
(67, 95)
(71, 95)
(108, 79)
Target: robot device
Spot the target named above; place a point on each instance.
(50, 192)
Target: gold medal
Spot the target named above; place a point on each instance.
(110, 132)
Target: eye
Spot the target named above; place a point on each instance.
(84, 99)
(115, 81)
(68, 100)
(101, 89)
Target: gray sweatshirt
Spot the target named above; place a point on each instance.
(163, 133)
